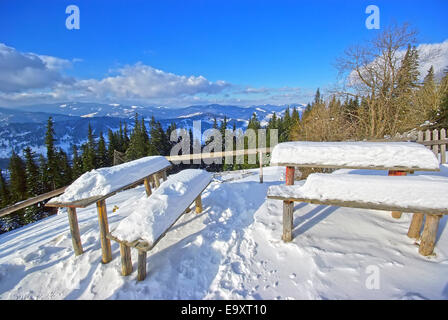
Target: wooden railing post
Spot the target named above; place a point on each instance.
(260, 155)
(443, 146)
(104, 230)
(74, 230)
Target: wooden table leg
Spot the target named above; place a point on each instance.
(74, 230)
(104, 230)
(141, 275)
(288, 210)
(198, 203)
(147, 186)
(396, 214)
(415, 226)
(126, 261)
(429, 234)
(290, 172)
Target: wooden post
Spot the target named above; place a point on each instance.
(104, 230)
(396, 214)
(126, 260)
(156, 180)
(260, 156)
(164, 177)
(141, 265)
(288, 208)
(416, 226)
(429, 235)
(74, 230)
(435, 147)
(198, 203)
(147, 186)
(442, 146)
(290, 172)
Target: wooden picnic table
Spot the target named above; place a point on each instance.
(100, 201)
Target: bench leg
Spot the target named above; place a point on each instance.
(416, 226)
(156, 180)
(198, 203)
(396, 214)
(104, 230)
(429, 235)
(147, 186)
(288, 208)
(126, 261)
(74, 230)
(164, 177)
(141, 265)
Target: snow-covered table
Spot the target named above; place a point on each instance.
(151, 218)
(99, 184)
(417, 194)
(399, 158)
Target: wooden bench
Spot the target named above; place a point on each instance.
(150, 171)
(151, 218)
(372, 192)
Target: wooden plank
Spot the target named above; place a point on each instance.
(428, 137)
(433, 142)
(317, 165)
(363, 205)
(74, 231)
(429, 235)
(416, 226)
(104, 230)
(141, 265)
(29, 202)
(288, 212)
(443, 146)
(126, 260)
(83, 203)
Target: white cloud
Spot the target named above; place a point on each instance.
(145, 82)
(433, 54)
(23, 71)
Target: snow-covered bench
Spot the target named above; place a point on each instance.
(152, 217)
(421, 195)
(97, 185)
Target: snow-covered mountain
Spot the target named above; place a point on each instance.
(26, 126)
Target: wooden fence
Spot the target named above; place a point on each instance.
(435, 140)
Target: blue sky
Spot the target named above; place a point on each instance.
(249, 44)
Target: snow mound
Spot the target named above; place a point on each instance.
(150, 216)
(102, 181)
(356, 154)
(403, 191)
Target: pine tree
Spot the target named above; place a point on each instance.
(77, 169)
(89, 158)
(32, 186)
(5, 195)
(52, 164)
(103, 155)
(17, 184)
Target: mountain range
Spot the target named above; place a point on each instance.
(26, 126)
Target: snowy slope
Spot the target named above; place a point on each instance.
(231, 251)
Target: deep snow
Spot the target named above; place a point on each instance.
(232, 250)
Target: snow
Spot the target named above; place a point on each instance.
(90, 115)
(356, 154)
(105, 180)
(233, 250)
(425, 192)
(149, 217)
